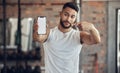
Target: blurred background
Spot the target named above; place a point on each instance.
(20, 54)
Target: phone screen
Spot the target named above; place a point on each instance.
(41, 25)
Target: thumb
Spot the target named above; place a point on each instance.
(79, 25)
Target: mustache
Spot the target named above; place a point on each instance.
(66, 22)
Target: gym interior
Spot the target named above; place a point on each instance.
(19, 53)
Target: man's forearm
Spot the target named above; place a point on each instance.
(35, 36)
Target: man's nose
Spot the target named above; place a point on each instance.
(68, 18)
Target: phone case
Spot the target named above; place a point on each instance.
(41, 25)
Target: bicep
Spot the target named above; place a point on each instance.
(86, 38)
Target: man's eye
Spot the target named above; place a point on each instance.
(66, 14)
(72, 16)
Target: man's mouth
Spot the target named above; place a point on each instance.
(66, 22)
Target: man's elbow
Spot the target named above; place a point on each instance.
(98, 41)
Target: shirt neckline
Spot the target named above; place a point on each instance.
(63, 32)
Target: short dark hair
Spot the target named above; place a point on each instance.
(71, 5)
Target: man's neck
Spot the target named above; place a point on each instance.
(64, 30)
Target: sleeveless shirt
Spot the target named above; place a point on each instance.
(62, 51)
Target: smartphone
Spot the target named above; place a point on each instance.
(41, 24)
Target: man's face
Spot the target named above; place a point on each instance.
(68, 17)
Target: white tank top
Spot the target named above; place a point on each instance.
(62, 51)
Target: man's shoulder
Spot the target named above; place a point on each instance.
(54, 28)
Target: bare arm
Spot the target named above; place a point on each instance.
(89, 34)
(40, 38)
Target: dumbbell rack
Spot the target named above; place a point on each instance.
(18, 53)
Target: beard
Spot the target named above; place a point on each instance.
(63, 25)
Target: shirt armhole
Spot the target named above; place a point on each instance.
(78, 37)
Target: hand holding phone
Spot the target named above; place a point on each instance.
(41, 24)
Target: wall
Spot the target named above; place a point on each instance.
(95, 12)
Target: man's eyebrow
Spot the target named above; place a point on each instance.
(68, 13)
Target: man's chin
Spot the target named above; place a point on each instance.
(66, 27)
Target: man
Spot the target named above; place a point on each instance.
(62, 44)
